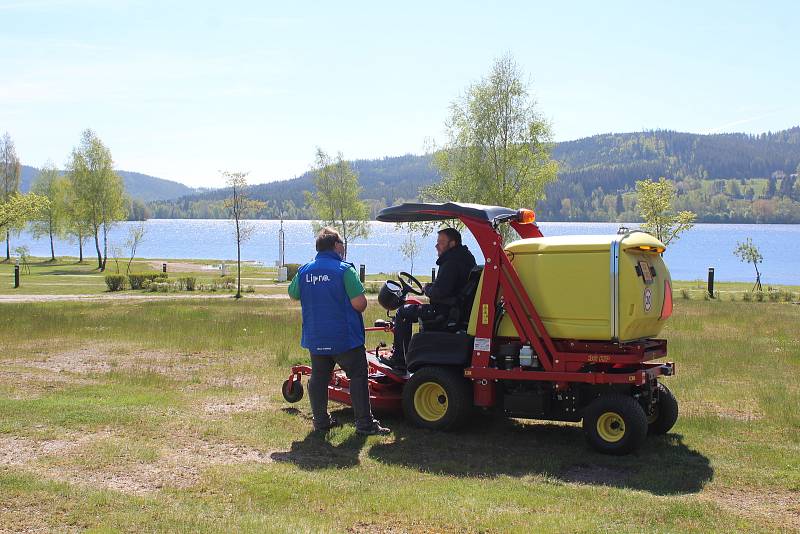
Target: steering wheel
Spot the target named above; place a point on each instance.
(410, 284)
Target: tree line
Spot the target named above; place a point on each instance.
(596, 179)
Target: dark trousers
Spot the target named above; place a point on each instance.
(404, 320)
(354, 364)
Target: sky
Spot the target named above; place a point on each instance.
(182, 90)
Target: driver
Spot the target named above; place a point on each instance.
(455, 263)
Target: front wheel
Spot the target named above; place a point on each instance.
(292, 390)
(615, 424)
(438, 398)
(664, 413)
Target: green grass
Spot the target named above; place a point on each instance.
(167, 416)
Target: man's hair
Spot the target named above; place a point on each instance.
(452, 234)
(327, 239)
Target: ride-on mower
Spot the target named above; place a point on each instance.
(553, 328)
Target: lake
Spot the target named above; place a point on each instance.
(704, 246)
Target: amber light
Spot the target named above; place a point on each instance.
(648, 248)
(525, 216)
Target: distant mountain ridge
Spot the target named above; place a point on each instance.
(139, 186)
(590, 170)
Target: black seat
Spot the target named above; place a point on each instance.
(460, 307)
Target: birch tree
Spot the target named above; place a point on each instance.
(498, 146)
(336, 199)
(10, 171)
(53, 220)
(239, 206)
(654, 201)
(99, 191)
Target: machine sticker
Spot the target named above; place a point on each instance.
(485, 314)
(648, 299)
(482, 344)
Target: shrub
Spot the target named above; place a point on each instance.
(760, 296)
(161, 287)
(747, 296)
(115, 282)
(774, 296)
(187, 282)
(291, 270)
(228, 282)
(373, 287)
(249, 289)
(137, 280)
(788, 296)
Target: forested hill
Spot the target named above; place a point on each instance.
(722, 177)
(139, 186)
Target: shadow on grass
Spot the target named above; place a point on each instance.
(316, 451)
(492, 447)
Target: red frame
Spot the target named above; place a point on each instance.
(562, 360)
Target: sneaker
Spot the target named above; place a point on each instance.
(332, 422)
(375, 430)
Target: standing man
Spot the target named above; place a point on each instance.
(332, 299)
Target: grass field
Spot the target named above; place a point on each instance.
(167, 416)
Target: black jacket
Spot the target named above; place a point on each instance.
(454, 268)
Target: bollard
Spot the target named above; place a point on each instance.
(163, 267)
(711, 282)
(362, 273)
(433, 275)
(16, 276)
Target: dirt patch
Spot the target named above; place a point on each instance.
(595, 474)
(250, 404)
(81, 361)
(20, 451)
(24, 384)
(782, 507)
(179, 465)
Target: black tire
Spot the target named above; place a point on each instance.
(615, 424)
(438, 398)
(292, 390)
(665, 412)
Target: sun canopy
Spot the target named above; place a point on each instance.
(417, 212)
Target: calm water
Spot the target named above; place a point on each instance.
(706, 245)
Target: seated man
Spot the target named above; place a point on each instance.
(455, 263)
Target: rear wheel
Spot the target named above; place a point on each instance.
(615, 424)
(292, 390)
(438, 398)
(664, 414)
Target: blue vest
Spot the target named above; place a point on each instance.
(330, 324)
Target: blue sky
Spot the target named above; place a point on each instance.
(181, 90)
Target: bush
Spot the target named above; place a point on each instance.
(187, 283)
(137, 280)
(160, 287)
(747, 296)
(373, 288)
(228, 282)
(685, 294)
(788, 296)
(249, 289)
(774, 296)
(291, 270)
(115, 282)
(760, 296)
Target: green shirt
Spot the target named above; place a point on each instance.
(352, 285)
